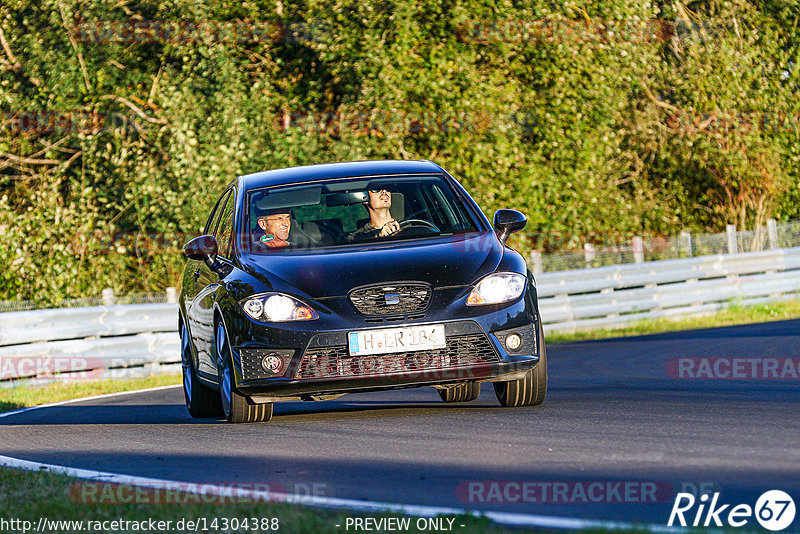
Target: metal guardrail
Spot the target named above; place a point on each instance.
(73, 323)
(600, 251)
(86, 342)
(619, 295)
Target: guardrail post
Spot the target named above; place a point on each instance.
(772, 234)
(588, 252)
(638, 250)
(685, 241)
(536, 260)
(108, 297)
(731, 231)
(172, 295)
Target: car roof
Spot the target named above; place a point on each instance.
(325, 171)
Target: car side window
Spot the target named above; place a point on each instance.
(225, 228)
(213, 219)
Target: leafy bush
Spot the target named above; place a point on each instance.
(122, 122)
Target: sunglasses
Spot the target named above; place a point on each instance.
(375, 191)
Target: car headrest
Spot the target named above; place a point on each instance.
(398, 209)
(324, 231)
(318, 228)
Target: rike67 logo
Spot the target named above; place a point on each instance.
(774, 510)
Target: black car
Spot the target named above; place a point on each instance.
(313, 282)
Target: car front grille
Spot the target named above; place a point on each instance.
(391, 298)
(333, 362)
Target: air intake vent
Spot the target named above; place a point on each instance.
(391, 298)
(332, 362)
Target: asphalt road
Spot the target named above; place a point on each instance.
(617, 412)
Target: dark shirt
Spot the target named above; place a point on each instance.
(365, 232)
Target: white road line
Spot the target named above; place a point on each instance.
(503, 518)
(81, 399)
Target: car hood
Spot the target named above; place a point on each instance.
(454, 261)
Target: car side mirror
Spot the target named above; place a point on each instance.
(506, 222)
(203, 248)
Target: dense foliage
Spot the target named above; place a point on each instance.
(122, 121)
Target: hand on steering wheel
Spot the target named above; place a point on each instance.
(390, 228)
(418, 222)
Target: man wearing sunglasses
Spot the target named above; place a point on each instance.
(381, 223)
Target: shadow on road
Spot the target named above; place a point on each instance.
(176, 414)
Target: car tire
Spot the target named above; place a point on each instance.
(201, 400)
(461, 393)
(529, 390)
(236, 408)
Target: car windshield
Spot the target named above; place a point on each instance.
(353, 211)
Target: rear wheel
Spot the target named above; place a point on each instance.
(235, 407)
(529, 390)
(461, 393)
(201, 401)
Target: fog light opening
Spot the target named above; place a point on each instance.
(513, 342)
(272, 363)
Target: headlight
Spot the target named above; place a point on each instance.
(277, 308)
(497, 288)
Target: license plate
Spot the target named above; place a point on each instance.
(390, 340)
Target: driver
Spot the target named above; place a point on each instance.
(276, 224)
(381, 223)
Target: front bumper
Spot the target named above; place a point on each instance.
(324, 366)
(509, 370)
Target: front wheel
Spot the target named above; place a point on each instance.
(529, 390)
(461, 393)
(201, 401)
(236, 408)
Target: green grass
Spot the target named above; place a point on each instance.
(735, 314)
(22, 396)
(31, 495)
(28, 495)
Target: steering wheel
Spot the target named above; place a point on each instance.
(408, 223)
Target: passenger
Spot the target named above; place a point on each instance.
(381, 223)
(276, 224)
